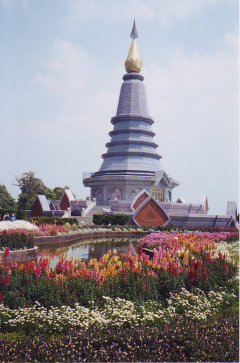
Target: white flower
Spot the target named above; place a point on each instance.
(19, 224)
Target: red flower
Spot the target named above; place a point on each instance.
(6, 280)
(52, 274)
(130, 261)
(225, 266)
(6, 252)
(1, 296)
(208, 257)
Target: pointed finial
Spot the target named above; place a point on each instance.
(133, 62)
(134, 33)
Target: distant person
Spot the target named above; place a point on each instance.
(13, 217)
(6, 217)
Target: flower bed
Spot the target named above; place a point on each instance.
(181, 305)
(17, 235)
(195, 305)
(191, 263)
(16, 240)
(182, 341)
(19, 225)
(189, 240)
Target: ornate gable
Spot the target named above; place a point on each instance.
(139, 199)
(150, 214)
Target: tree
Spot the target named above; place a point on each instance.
(30, 187)
(58, 191)
(29, 184)
(6, 200)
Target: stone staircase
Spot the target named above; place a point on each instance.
(88, 219)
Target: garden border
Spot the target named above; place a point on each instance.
(46, 240)
(20, 255)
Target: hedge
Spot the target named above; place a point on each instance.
(16, 241)
(113, 219)
(53, 220)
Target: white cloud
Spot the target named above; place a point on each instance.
(79, 115)
(163, 11)
(67, 70)
(194, 99)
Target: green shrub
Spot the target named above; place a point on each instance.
(6, 211)
(23, 214)
(113, 219)
(16, 241)
(53, 220)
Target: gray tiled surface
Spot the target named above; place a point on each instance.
(132, 98)
(134, 161)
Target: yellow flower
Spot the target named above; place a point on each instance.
(185, 258)
(21, 267)
(115, 258)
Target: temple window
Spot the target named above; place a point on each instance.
(158, 194)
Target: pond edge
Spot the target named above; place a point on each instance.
(42, 240)
(20, 255)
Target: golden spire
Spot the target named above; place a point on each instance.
(133, 62)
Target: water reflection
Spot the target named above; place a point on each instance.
(86, 250)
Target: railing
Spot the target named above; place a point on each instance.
(85, 212)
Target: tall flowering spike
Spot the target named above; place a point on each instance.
(133, 62)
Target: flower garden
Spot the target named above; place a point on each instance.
(176, 300)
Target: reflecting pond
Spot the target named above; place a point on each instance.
(88, 249)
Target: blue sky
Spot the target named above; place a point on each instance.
(61, 69)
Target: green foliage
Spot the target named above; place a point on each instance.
(29, 184)
(23, 214)
(52, 220)
(6, 200)
(16, 241)
(113, 219)
(26, 201)
(83, 290)
(58, 191)
(30, 187)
